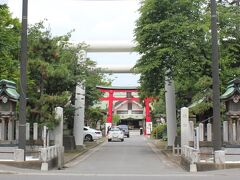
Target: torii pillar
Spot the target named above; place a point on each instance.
(148, 128)
(110, 110)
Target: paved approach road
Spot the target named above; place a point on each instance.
(134, 159)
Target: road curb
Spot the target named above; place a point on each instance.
(83, 151)
(167, 153)
(75, 156)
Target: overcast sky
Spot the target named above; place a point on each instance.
(93, 20)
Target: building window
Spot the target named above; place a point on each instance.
(122, 112)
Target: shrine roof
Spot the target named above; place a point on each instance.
(197, 102)
(232, 88)
(9, 87)
(118, 87)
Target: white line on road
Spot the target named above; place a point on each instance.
(118, 175)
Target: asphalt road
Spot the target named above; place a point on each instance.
(134, 159)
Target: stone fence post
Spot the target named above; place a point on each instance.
(201, 132)
(185, 127)
(209, 132)
(58, 133)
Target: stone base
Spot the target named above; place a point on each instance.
(60, 159)
(80, 147)
(6, 143)
(169, 148)
(24, 165)
(69, 143)
(193, 168)
(19, 155)
(202, 144)
(206, 166)
(44, 166)
(232, 145)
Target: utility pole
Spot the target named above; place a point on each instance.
(23, 78)
(217, 137)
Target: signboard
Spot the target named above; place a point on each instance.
(107, 127)
(148, 128)
(196, 138)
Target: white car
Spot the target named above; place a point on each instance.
(115, 133)
(91, 134)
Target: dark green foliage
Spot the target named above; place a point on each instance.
(170, 41)
(174, 40)
(55, 68)
(9, 45)
(69, 116)
(94, 115)
(160, 131)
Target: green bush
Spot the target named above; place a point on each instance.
(160, 131)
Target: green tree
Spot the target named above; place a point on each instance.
(171, 42)
(116, 119)
(9, 45)
(229, 22)
(93, 116)
(54, 71)
(174, 40)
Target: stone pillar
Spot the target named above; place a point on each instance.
(35, 131)
(10, 129)
(58, 133)
(234, 132)
(79, 107)
(225, 131)
(27, 131)
(201, 132)
(170, 111)
(185, 127)
(3, 131)
(219, 157)
(191, 124)
(44, 136)
(79, 115)
(48, 138)
(238, 131)
(17, 130)
(209, 132)
(230, 131)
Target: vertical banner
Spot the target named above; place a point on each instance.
(107, 128)
(148, 128)
(196, 138)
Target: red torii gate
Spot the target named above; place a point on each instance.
(111, 98)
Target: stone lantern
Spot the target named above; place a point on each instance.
(232, 100)
(8, 101)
